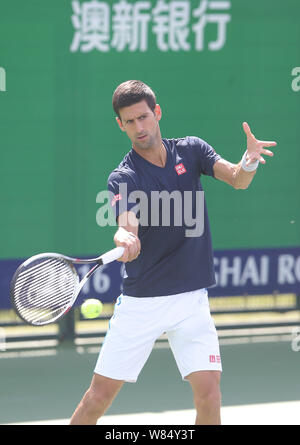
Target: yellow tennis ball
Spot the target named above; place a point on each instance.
(91, 308)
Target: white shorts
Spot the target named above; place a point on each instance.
(138, 322)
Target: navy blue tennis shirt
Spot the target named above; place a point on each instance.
(174, 257)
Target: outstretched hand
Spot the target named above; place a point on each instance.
(255, 148)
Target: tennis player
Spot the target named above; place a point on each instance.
(168, 268)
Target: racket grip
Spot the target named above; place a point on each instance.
(112, 255)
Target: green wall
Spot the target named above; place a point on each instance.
(59, 139)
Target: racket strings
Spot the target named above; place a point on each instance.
(44, 276)
(44, 289)
(43, 280)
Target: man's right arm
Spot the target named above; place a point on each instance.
(127, 236)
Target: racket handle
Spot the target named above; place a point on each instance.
(112, 255)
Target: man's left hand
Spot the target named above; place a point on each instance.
(255, 148)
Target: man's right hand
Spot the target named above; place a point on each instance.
(126, 236)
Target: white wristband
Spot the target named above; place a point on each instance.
(251, 167)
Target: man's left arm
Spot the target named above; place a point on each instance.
(240, 175)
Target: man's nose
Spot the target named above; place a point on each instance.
(139, 127)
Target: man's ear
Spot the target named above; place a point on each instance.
(158, 113)
(120, 123)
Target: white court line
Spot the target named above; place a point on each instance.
(279, 413)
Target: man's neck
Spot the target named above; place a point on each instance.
(156, 155)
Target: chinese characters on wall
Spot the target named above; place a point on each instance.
(177, 25)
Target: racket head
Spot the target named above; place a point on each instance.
(43, 288)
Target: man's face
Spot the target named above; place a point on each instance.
(141, 124)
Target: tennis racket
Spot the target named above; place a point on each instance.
(45, 287)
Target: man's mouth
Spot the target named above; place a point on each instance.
(140, 138)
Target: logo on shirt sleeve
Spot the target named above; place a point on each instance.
(115, 199)
(180, 169)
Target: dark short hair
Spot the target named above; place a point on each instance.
(132, 92)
